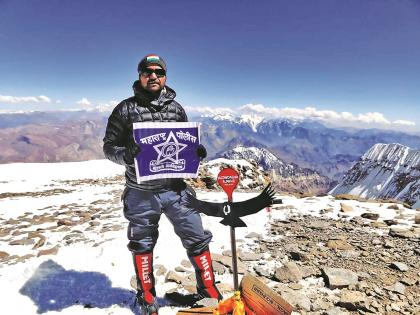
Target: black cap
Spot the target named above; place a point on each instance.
(151, 59)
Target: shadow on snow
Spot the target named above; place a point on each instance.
(52, 288)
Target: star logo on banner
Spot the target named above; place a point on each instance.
(169, 150)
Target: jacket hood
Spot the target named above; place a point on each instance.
(166, 95)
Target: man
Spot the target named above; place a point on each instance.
(144, 202)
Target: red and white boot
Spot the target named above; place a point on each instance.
(204, 274)
(146, 293)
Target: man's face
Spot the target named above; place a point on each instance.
(152, 81)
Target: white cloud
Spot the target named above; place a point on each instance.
(105, 106)
(404, 122)
(329, 117)
(205, 110)
(84, 102)
(24, 99)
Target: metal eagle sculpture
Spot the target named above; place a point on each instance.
(232, 211)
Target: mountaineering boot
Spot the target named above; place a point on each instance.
(146, 308)
(143, 264)
(204, 275)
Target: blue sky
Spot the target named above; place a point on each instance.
(331, 56)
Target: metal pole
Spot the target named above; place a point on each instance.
(234, 258)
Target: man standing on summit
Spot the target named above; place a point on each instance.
(144, 202)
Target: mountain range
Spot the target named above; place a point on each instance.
(77, 135)
(385, 171)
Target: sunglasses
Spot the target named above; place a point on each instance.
(148, 72)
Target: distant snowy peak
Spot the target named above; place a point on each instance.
(284, 177)
(393, 155)
(262, 156)
(250, 120)
(385, 171)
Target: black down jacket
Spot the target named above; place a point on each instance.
(119, 131)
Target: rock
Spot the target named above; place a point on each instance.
(336, 311)
(339, 244)
(186, 263)
(225, 288)
(218, 268)
(4, 255)
(398, 287)
(320, 304)
(309, 271)
(24, 257)
(172, 276)
(160, 270)
(40, 242)
(349, 254)
(180, 269)
(263, 271)
(227, 253)
(299, 255)
(390, 222)
(288, 272)
(402, 233)
(297, 299)
(319, 225)
(393, 207)
(339, 277)
(352, 300)
(345, 208)
(250, 256)
(295, 286)
(51, 251)
(208, 302)
(253, 235)
(227, 261)
(133, 283)
(378, 225)
(409, 281)
(399, 266)
(22, 241)
(389, 244)
(370, 216)
(417, 219)
(66, 222)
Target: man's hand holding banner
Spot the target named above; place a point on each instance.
(168, 150)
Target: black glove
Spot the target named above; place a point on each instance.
(201, 151)
(131, 151)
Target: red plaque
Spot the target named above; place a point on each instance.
(228, 179)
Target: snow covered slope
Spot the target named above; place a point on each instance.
(286, 177)
(385, 171)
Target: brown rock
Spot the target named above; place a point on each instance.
(23, 241)
(4, 255)
(345, 208)
(370, 216)
(288, 272)
(339, 244)
(227, 261)
(402, 233)
(51, 251)
(393, 207)
(339, 277)
(417, 219)
(172, 276)
(352, 300)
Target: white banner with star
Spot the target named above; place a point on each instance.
(167, 150)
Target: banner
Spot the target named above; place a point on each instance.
(168, 150)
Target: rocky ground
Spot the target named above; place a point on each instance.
(320, 264)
